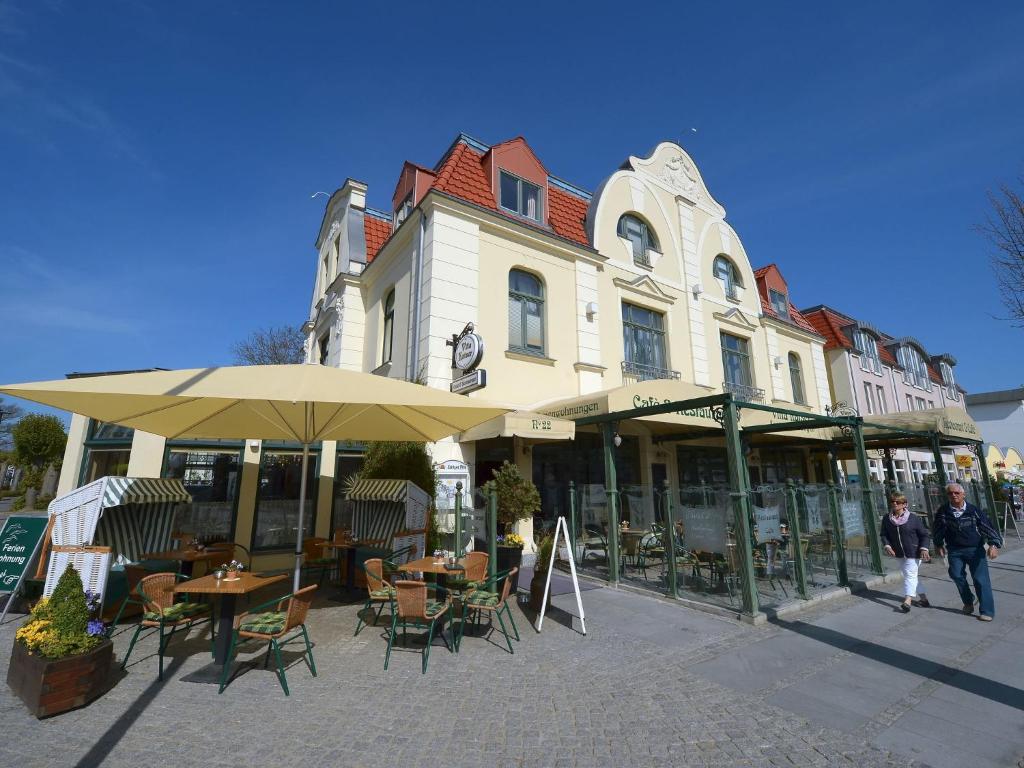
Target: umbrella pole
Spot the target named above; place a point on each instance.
(296, 581)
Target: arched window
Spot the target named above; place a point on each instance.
(796, 377)
(389, 327)
(868, 348)
(641, 237)
(525, 313)
(726, 271)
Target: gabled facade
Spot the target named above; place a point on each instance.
(572, 293)
(876, 374)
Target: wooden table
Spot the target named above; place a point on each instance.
(187, 557)
(228, 592)
(430, 565)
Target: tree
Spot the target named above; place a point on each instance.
(1004, 228)
(9, 415)
(271, 346)
(400, 461)
(518, 497)
(39, 440)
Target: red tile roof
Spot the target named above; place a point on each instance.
(794, 317)
(462, 175)
(377, 231)
(829, 324)
(566, 214)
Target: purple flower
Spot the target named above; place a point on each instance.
(95, 628)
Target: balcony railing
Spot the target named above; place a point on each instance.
(634, 372)
(744, 392)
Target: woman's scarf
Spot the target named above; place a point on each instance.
(901, 518)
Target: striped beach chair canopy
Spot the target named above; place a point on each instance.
(381, 508)
(131, 515)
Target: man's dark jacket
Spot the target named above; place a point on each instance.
(970, 530)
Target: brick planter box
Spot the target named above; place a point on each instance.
(50, 686)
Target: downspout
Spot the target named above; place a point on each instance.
(417, 287)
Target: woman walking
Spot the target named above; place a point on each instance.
(904, 535)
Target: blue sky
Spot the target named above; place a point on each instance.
(157, 160)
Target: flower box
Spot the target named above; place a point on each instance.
(51, 686)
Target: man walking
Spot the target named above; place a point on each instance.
(961, 532)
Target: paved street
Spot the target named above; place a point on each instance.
(852, 683)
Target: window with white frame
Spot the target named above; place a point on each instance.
(915, 371)
(324, 347)
(910, 402)
(726, 272)
(736, 360)
(952, 392)
(921, 404)
(880, 399)
(796, 379)
(389, 327)
(525, 313)
(867, 346)
(640, 236)
(520, 196)
(643, 337)
(875, 470)
(901, 472)
(403, 210)
(779, 302)
(868, 405)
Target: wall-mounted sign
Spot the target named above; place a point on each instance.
(964, 462)
(469, 351)
(471, 382)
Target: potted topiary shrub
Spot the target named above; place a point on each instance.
(61, 658)
(518, 499)
(540, 571)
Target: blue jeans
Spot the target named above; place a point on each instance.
(962, 558)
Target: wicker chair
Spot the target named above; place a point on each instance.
(314, 563)
(378, 590)
(409, 605)
(278, 628)
(160, 611)
(475, 564)
(493, 602)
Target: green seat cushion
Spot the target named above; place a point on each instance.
(269, 623)
(177, 612)
(482, 597)
(382, 594)
(434, 607)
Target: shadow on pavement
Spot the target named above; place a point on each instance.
(954, 678)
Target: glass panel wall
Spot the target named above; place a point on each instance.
(212, 476)
(277, 500)
(346, 466)
(108, 448)
(855, 542)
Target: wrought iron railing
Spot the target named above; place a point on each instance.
(744, 392)
(639, 372)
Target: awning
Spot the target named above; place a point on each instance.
(526, 424)
(639, 395)
(378, 490)
(693, 420)
(143, 490)
(949, 423)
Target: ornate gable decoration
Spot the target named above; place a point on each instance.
(672, 169)
(736, 318)
(646, 287)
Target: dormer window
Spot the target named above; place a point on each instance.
(915, 372)
(948, 381)
(726, 271)
(868, 348)
(640, 236)
(403, 210)
(780, 303)
(520, 197)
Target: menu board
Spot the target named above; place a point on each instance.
(853, 519)
(19, 539)
(814, 522)
(766, 520)
(703, 529)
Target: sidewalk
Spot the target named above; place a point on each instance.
(851, 683)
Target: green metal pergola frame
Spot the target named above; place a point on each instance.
(726, 411)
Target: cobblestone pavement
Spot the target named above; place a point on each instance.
(651, 684)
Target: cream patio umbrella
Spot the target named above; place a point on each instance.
(305, 403)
